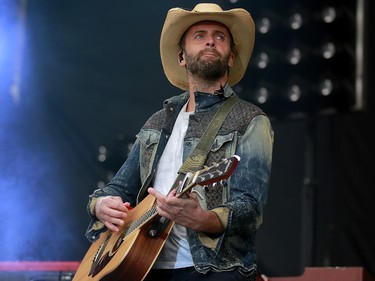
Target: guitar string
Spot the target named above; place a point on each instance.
(152, 211)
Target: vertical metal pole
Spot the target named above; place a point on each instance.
(15, 88)
(360, 55)
(308, 197)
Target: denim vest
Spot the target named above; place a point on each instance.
(239, 204)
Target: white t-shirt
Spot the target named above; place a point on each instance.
(176, 251)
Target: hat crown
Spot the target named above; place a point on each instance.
(207, 7)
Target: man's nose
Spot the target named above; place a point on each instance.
(210, 42)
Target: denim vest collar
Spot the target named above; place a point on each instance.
(203, 101)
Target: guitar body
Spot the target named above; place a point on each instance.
(140, 258)
(114, 257)
(130, 253)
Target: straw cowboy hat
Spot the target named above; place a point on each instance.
(238, 21)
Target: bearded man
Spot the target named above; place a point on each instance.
(204, 52)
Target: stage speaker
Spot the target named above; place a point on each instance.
(38, 270)
(329, 274)
(36, 276)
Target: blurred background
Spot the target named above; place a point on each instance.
(79, 78)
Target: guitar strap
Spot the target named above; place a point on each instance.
(198, 156)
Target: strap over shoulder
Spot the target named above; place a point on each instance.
(198, 156)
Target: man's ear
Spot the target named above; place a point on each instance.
(231, 60)
(181, 59)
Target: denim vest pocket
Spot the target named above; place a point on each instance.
(222, 147)
(148, 137)
(149, 140)
(220, 140)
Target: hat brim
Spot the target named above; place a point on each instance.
(240, 25)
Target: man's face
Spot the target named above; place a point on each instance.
(207, 50)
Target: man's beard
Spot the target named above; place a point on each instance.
(208, 70)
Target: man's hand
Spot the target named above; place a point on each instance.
(111, 211)
(187, 212)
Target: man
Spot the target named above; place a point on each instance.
(204, 52)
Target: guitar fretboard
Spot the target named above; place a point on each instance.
(140, 221)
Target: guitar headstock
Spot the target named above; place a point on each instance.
(216, 172)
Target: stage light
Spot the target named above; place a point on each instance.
(262, 60)
(328, 50)
(262, 95)
(296, 21)
(329, 14)
(312, 55)
(294, 56)
(102, 153)
(326, 87)
(12, 40)
(264, 25)
(294, 93)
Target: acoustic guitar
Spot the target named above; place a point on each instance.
(130, 253)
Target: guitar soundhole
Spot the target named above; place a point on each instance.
(98, 254)
(118, 243)
(103, 262)
(109, 255)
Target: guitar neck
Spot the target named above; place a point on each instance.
(218, 171)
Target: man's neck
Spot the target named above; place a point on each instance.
(204, 87)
